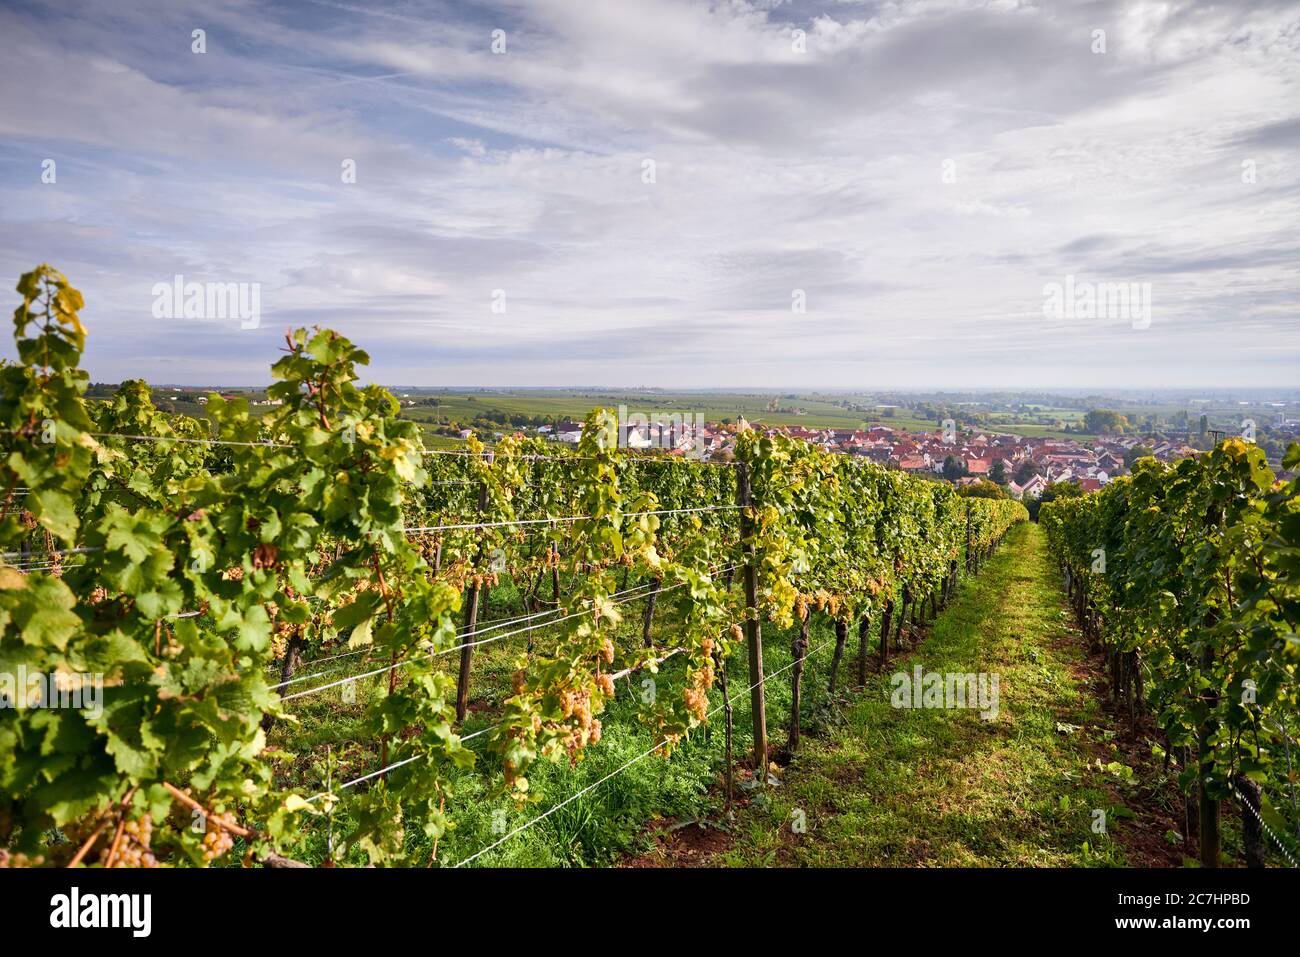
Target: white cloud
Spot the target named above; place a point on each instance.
(774, 170)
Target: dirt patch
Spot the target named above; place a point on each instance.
(681, 844)
(847, 774)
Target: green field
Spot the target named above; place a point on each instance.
(488, 411)
(815, 411)
(820, 412)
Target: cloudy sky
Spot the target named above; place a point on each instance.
(649, 188)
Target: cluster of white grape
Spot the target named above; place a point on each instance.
(8, 859)
(134, 851)
(216, 839)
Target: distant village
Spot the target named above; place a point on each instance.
(1024, 466)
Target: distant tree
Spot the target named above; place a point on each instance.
(999, 472)
(1061, 490)
(954, 468)
(1051, 493)
(1027, 470)
(983, 489)
(1135, 453)
(1101, 421)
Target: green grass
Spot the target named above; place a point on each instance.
(935, 787)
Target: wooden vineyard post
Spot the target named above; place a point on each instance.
(885, 621)
(753, 629)
(864, 635)
(292, 661)
(902, 615)
(471, 620)
(466, 653)
(968, 554)
(841, 636)
(1209, 808)
(798, 651)
(528, 596)
(650, 611)
(721, 667)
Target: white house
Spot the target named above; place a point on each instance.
(1033, 486)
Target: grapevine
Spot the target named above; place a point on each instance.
(184, 564)
(1186, 575)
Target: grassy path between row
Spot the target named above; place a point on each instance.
(909, 787)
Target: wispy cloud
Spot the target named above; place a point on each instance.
(650, 183)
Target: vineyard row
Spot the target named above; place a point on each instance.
(1188, 575)
(322, 528)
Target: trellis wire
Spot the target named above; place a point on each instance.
(463, 645)
(645, 754)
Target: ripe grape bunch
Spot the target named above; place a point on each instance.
(216, 837)
(135, 850)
